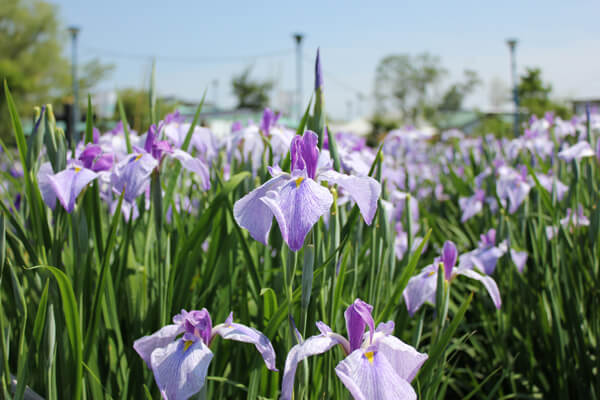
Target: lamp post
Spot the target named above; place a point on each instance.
(74, 117)
(298, 38)
(512, 44)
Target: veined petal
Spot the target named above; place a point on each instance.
(69, 183)
(242, 333)
(193, 164)
(364, 190)
(405, 359)
(488, 283)
(252, 214)
(312, 346)
(297, 206)
(180, 369)
(161, 338)
(132, 174)
(420, 288)
(368, 375)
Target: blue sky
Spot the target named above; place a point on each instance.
(199, 42)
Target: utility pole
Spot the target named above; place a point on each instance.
(298, 38)
(74, 117)
(512, 44)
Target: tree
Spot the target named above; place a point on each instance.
(405, 83)
(453, 98)
(32, 60)
(251, 94)
(534, 95)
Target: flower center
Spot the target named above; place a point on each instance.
(369, 355)
(77, 169)
(299, 181)
(187, 345)
(137, 157)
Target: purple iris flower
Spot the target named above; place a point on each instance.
(471, 206)
(65, 185)
(572, 220)
(486, 256)
(422, 287)
(318, 72)
(576, 152)
(269, 119)
(297, 200)
(132, 174)
(377, 364)
(93, 158)
(512, 186)
(180, 362)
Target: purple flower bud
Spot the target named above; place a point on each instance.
(318, 73)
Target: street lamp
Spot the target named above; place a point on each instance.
(512, 44)
(298, 38)
(74, 117)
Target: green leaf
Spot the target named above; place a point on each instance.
(125, 125)
(40, 317)
(16, 124)
(89, 129)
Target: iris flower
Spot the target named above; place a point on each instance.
(297, 200)
(179, 354)
(422, 287)
(377, 366)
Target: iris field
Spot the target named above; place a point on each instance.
(299, 263)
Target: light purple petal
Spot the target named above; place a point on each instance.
(48, 194)
(67, 185)
(252, 214)
(132, 174)
(487, 258)
(297, 206)
(488, 283)
(364, 190)
(405, 359)
(312, 346)
(242, 333)
(358, 316)
(161, 338)
(193, 164)
(576, 152)
(179, 372)
(519, 258)
(470, 206)
(420, 288)
(368, 375)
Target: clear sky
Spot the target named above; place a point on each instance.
(198, 42)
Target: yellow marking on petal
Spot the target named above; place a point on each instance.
(77, 169)
(138, 157)
(370, 355)
(299, 181)
(187, 345)
(431, 273)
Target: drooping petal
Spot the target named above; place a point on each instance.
(312, 346)
(576, 152)
(364, 190)
(252, 214)
(193, 164)
(368, 375)
(48, 194)
(519, 258)
(420, 288)
(144, 346)
(358, 316)
(180, 368)
(132, 174)
(242, 333)
(297, 206)
(67, 185)
(405, 359)
(487, 258)
(488, 283)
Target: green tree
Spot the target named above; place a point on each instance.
(252, 94)
(32, 60)
(405, 83)
(454, 97)
(534, 95)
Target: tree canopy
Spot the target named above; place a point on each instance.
(251, 94)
